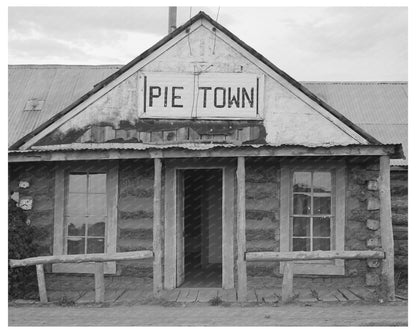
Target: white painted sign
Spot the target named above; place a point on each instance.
(202, 95)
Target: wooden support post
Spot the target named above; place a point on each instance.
(41, 284)
(241, 230)
(157, 228)
(287, 284)
(99, 282)
(386, 228)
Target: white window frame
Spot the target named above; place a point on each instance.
(314, 267)
(61, 177)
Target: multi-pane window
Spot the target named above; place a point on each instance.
(86, 213)
(311, 211)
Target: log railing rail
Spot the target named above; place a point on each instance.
(290, 257)
(98, 259)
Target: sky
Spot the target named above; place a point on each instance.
(310, 44)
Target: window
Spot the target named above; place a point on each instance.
(85, 213)
(312, 213)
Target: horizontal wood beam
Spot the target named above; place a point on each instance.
(78, 258)
(101, 152)
(315, 255)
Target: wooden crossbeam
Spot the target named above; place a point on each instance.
(314, 255)
(78, 258)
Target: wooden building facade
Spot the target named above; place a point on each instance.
(201, 150)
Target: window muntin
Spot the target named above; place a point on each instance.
(86, 213)
(312, 198)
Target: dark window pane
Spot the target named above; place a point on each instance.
(76, 245)
(322, 205)
(78, 183)
(322, 182)
(97, 204)
(76, 226)
(302, 181)
(321, 227)
(96, 229)
(323, 244)
(301, 204)
(97, 183)
(95, 245)
(301, 244)
(301, 226)
(77, 204)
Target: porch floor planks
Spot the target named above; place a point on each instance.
(305, 295)
(364, 293)
(227, 295)
(57, 296)
(267, 295)
(110, 296)
(170, 295)
(327, 295)
(188, 295)
(251, 295)
(206, 294)
(133, 296)
(348, 294)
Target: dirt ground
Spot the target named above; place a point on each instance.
(322, 314)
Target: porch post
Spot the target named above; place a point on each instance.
(386, 228)
(241, 230)
(157, 228)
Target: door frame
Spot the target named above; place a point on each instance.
(171, 221)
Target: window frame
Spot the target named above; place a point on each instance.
(338, 202)
(61, 195)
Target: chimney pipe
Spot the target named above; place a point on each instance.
(172, 19)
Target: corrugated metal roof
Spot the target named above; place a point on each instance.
(378, 107)
(57, 85)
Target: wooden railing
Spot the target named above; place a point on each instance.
(290, 257)
(98, 259)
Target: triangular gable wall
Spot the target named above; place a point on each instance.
(288, 115)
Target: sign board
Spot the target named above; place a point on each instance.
(200, 95)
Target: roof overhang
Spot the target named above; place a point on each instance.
(193, 150)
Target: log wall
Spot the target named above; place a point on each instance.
(399, 207)
(135, 214)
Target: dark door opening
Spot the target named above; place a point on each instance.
(203, 227)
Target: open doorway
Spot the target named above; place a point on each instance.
(202, 227)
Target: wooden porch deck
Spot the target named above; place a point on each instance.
(204, 295)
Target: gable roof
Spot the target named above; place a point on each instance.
(200, 15)
(378, 107)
